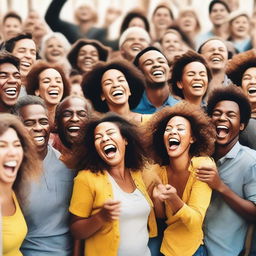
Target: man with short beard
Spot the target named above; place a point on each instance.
(156, 70)
(10, 81)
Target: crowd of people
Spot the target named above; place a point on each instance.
(136, 146)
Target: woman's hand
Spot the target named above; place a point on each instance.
(110, 210)
(164, 192)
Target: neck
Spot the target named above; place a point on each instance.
(239, 38)
(85, 25)
(157, 97)
(118, 171)
(221, 31)
(5, 192)
(253, 107)
(4, 109)
(222, 150)
(51, 111)
(180, 164)
(195, 100)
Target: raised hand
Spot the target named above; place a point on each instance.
(163, 192)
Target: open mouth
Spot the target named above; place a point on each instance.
(222, 131)
(158, 73)
(252, 90)
(117, 93)
(110, 150)
(54, 93)
(56, 53)
(10, 165)
(25, 64)
(73, 129)
(216, 60)
(39, 140)
(136, 49)
(197, 86)
(173, 143)
(11, 91)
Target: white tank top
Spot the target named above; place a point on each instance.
(133, 221)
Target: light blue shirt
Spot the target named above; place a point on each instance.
(46, 213)
(224, 229)
(146, 107)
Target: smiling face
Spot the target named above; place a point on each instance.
(133, 44)
(115, 89)
(194, 81)
(240, 27)
(54, 50)
(25, 50)
(74, 114)
(219, 14)
(10, 83)
(178, 137)
(88, 57)
(226, 118)
(35, 119)
(110, 144)
(249, 84)
(155, 67)
(188, 22)
(216, 54)
(11, 156)
(171, 42)
(11, 28)
(162, 18)
(50, 86)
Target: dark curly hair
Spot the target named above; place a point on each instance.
(92, 89)
(201, 126)
(231, 93)
(86, 156)
(130, 16)
(33, 77)
(239, 64)
(179, 65)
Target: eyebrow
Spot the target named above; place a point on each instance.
(122, 76)
(106, 131)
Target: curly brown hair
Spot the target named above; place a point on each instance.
(30, 167)
(33, 77)
(202, 130)
(239, 64)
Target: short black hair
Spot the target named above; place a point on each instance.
(11, 14)
(150, 48)
(231, 93)
(6, 57)
(213, 2)
(10, 44)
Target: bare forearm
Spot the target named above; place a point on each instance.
(159, 208)
(175, 203)
(243, 207)
(84, 228)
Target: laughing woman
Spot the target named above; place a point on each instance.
(180, 138)
(110, 206)
(115, 86)
(18, 166)
(49, 83)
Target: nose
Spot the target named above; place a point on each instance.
(173, 130)
(37, 127)
(74, 117)
(223, 116)
(12, 151)
(12, 79)
(105, 138)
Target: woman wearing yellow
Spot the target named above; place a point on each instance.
(18, 165)
(110, 207)
(180, 138)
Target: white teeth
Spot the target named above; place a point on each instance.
(158, 73)
(26, 64)
(11, 91)
(222, 127)
(173, 140)
(216, 59)
(53, 92)
(136, 49)
(11, 164)
(109, 147)
(117, 93)
(252, 90)
(39, 138)
(74, 128)
(197, 85)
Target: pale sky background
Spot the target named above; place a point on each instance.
(201, 6)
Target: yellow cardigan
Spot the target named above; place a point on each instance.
(183, 234)
(90, 192)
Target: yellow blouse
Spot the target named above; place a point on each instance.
(90, 191)
(184, 234)
(14, 230)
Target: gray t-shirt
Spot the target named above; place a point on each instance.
(47, 212)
